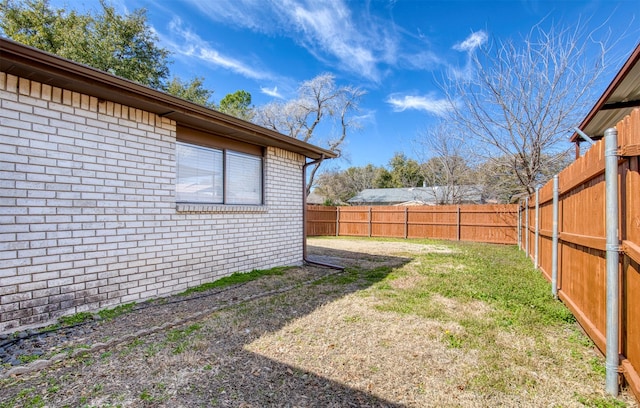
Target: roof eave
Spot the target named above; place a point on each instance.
(31, 63)
(600, 104)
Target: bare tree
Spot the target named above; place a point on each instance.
(519, 101)
(340, 186)
(321, 114)
(447, 165)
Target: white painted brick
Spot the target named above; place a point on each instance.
(62, 282)
(16, 280)
(97, 193)
(10, 105)
(132, 298)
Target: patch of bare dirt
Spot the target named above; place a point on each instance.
(367, 254)
(375, 247)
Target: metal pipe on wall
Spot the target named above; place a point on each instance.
(554, 244)
(304, 218)
(613, 259)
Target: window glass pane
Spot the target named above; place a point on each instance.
(244, 178)
(199, 174)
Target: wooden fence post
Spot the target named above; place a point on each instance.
(526, 226)
(369, 221)
(537, 234)
(458, 225)
(337, 221)
(519, 227)
(406, 222)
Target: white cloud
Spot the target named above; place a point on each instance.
(326, 28)
(190, 44)
(367, 116)
(257, 15)
(329, 27)
(469, 45)
(271, 92)
(213, 56)
(424, 60)
(472, 42)
(438, 107)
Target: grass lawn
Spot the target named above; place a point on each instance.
(409, 323)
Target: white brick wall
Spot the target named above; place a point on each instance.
(88, 217)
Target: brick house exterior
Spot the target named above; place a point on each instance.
(88, 211)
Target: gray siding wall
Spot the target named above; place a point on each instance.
(88, 217)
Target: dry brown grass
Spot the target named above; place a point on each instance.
(396, 358)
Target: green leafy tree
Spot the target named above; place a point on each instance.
(383, 179)
(122, 45)
(193, 91)
(36, 24)
(237, 104)
(405, 172)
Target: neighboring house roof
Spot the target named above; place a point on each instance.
(30, 63)
(417, 195)
(617, 101)
(315, 198)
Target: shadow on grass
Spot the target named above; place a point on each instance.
(244, 378)
(216, 368)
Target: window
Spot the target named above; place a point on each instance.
(243, 178)
(199, 174)
(213, 176)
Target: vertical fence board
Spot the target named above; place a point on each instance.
(388, 221)
(481, 223)
(629, 134)
(321, 220)
(582, 246)
(531, 234)
(354, 221)
(545, 239)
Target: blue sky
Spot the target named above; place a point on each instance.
(396, 50)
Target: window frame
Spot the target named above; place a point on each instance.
(217, 189)
(225, 179)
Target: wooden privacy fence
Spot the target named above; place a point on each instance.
(480, 223)
(578, 271)
(562, 228)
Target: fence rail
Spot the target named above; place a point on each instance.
(480, 223)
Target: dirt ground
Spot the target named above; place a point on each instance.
(311, 337)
